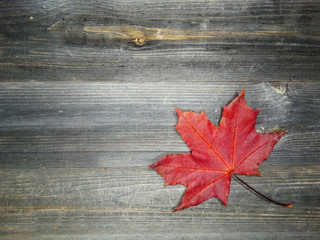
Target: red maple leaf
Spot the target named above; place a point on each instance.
(217, 153)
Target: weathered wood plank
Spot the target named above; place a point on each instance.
(126, 202)
(73, 154)
(241, 41)
(112, 124)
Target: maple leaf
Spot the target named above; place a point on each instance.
(218, 153)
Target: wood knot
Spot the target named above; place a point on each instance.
(140, 41)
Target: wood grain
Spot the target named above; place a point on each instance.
(126, 202)
(103, 125)
(249, 41)
(87, 97)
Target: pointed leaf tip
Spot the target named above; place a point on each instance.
(151, 166)
(241, 95)
(178, 111)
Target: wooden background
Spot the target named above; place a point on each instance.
(87, 98)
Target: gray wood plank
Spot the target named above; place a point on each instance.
(126, 202)
(87, 98)
(241, 41)
(112, 124)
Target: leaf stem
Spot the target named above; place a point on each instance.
(260, 194)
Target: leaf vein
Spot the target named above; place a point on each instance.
(199, 169)
(207, 186)
(200, 135)
(246, 157)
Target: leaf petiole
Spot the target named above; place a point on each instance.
(258, 193)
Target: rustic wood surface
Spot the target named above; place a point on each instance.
(87, 97)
